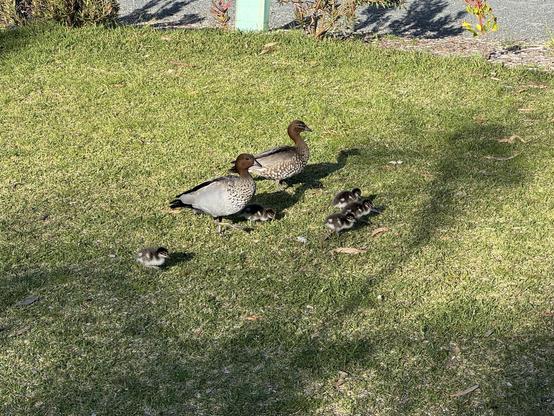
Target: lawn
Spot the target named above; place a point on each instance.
(101, 128)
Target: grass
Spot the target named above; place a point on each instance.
(101, 128)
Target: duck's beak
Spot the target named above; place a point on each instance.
(308, 129)
(257, 164)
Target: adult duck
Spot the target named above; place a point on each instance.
(284, 162)
(223, 196)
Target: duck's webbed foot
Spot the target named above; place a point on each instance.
(281, 183)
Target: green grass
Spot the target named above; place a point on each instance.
(100, 128)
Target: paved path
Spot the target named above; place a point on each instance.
(519, 19)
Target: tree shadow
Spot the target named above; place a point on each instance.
(421, 18)
(162, 14)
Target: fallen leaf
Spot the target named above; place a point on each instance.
(269, 47)
(181, 64)
(489, 333)
(20, 331)
(501, 157)
(511, 139)
(253, 318)
(27, 301)
(466, 391)
(548, 314)
(349, 250)
(379, 231)
(165, 37)
(496, 79)
(525, 110)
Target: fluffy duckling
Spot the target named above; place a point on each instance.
(152, 256)
(339, 222)
(223, 196)
(344, 198)
(255, 212)
(283, 162)
(359, 208)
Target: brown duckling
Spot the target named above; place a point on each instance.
(223, 196)
(154, 257)
(359, 208)
(255, 212)
(283, 162)
(339, 222)
(344, 198)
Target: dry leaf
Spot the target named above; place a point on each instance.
(181, 64)
(269, 47)
(525, 110)
(165, 38)
(548, 314)
(378, 231)
(511, 139)
(465, 392)
(253, 318)
(27, 301)
(501, 157)
(489, 333)
(349, 250)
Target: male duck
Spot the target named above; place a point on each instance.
(283, 162)
(223, 196)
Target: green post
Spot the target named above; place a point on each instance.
(252, 15)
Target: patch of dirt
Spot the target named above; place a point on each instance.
(516, 54)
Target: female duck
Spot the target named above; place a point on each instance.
(222, 196)
(283, 162)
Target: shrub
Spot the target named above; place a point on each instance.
(70, 12)
(319, 17)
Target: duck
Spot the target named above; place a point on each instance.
(223, 196)
(343, 198)
(339, 222)
(255, 212)
(154, 257)
(284, 162)
(359, 208)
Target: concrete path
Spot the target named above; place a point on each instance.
(531, 20)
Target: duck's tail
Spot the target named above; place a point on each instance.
(177, 203)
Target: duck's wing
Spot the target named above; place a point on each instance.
(207, 196)
(274, 152)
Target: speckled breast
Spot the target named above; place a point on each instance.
(290, 168)
(241, 193)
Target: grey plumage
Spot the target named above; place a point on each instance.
(285, 161)
(224, 196)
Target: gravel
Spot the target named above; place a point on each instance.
(531, 20)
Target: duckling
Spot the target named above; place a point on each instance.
(343, 198)
(223, 196)
(255, 212)
(339, 222)
(359, 208)
(283, 162)
(152, 256)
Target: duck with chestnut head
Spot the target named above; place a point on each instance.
(284, 162)
(223, 196)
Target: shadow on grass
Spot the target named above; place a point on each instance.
(269, 366)
(310, 178)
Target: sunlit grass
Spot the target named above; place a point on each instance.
(100, 129)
